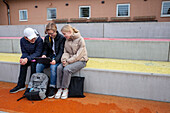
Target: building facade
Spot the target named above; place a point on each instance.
(30, 12)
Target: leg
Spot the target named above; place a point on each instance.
(69, 70)
(53, 77)
(59, 75)
(40, 68)
(22, 75)
(33, 68)
(21, 79)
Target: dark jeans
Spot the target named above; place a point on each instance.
(23, 73)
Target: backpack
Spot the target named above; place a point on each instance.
(37, 87)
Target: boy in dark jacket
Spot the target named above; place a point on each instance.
(53, 48)
(31, 47)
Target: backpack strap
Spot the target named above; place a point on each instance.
(49, 39)
(21, 98)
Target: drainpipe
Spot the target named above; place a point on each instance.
(8, 11)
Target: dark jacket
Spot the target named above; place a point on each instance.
(59, 46)
(31, 50)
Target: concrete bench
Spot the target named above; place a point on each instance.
(140, 85)
(134, 49)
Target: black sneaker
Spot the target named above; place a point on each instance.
(52, 92)
(16, 89)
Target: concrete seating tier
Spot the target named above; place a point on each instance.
(133, 49)
(127, 78)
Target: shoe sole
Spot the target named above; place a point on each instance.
(57, 97)
(51, 96)
(19, 90)
(64, 97)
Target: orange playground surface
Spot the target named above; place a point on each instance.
(92, 103)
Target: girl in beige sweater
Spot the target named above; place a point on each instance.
(73, 59)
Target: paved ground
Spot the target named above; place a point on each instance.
(112, 64)
(92, 103)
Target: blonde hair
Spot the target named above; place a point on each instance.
(68, 28)
(51, 26)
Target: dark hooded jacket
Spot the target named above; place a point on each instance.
(59, 46)
(31, 50)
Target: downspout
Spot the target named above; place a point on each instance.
(8, 12)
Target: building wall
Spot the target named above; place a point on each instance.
(3, 14)
(108, 9)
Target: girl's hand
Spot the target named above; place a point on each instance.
(64, 63)
(53, 62)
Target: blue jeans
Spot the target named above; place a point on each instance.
(53, 71)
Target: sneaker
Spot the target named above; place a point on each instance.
(58, 94)
(16, 89)
(65, 94)
(52, 92)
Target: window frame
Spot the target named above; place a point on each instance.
(26, 15)
(162, 15)
(55, 12)
(121, 5)
(84, 7)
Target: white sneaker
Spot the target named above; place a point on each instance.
(65, 94)
(58, 94)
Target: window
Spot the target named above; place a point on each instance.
(84, 11)
(123, 10)
(51, 13)
(165, 9)
(23, 15)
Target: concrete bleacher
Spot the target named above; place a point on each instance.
(129, 78)
(149, 79)
(147, 30)
(133, 49)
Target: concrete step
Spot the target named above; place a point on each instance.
(134, 49)
(103, 77)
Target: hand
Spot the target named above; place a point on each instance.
(20, 61)
(44, 56)
(23, 61)
(64, 63)
(53, 62)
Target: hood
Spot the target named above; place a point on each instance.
(75, 36)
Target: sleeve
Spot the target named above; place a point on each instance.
(61, 49)
(38, 50)
(65, 55)
(23, 50)
(79, 53)
(45, 45)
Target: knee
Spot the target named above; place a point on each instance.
(66, 69)
(39, 68)
(39, 65)
(53, 67)
(60, 67)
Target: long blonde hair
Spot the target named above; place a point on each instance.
(68, 28)
(51, 26)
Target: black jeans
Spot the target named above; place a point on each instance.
(23, 73)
